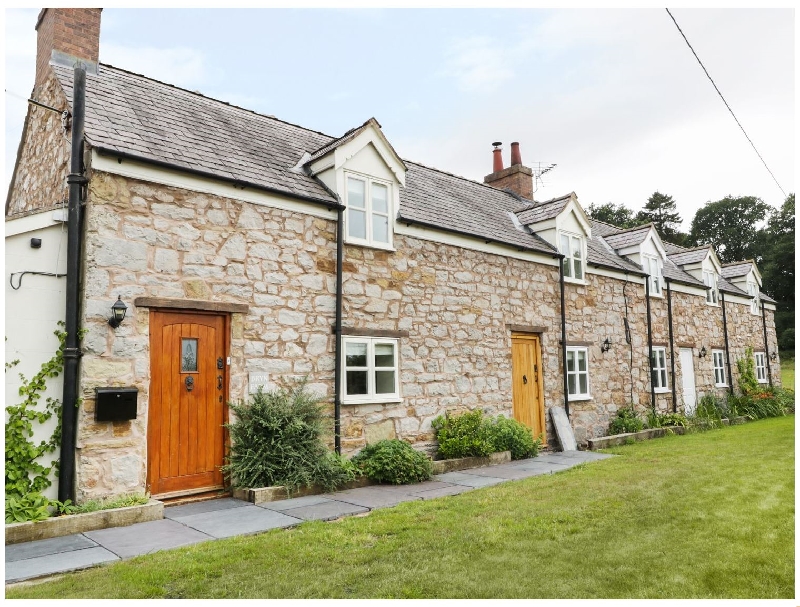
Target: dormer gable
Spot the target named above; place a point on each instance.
(367, 174)
(742, 273)
(703, 264)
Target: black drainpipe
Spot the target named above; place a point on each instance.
(337, 331)
(563, 331)
(766, 343)
(72, 353)
(671, 346)
(727, 349)
(650, 342)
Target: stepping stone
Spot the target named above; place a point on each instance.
(37, 548)
(247, 520)
(61, 562)
(175, 512)
(328, 511)
(144, 538)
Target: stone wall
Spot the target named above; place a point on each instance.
(455, 304)
(40, 179)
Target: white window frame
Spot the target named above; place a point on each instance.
(649, 262)
(574, 350)
(719, 369)
(752, 291)
(569, 262)
(712, 287)
(761, 367)
(371, 397)
(661, 380)
(369, 212)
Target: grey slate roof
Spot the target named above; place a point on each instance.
(739, 268)
(541, 211)
(724, 285)
(435, 198)
(600, 255)
(154, 121)
(673, 272)
(688, 256)
(672, 249)
(603, 229)
(629, 237)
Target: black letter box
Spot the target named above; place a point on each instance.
(115, 404)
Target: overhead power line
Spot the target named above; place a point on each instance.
(725, 102)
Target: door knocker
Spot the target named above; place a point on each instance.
(189, 383)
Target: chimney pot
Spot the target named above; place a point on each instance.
(497, 161)
(516, 157)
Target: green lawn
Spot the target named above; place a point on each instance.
(787, 373)
(697, 516)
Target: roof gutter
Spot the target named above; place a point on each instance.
(332, 205)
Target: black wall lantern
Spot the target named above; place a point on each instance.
(703, 352)
(606, 345)
(773, 357)
(117, 312)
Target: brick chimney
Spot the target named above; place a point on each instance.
(517, 178)
(72, 33)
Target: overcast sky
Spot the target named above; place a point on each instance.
(615, 98)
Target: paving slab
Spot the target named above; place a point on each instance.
(175, 512)
(449, 489)
(372, 497)
(247, 520)
(55, 545)
(327, 511)
(144, 538)
(27, 569)
(505, 471)
(295, 502)
(469, 480)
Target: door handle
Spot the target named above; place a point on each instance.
(219, 382)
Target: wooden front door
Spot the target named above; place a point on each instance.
(527, 388)
(185, 437)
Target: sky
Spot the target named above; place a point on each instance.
(614, 98)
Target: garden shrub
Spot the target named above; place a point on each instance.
(626, 421)
(276, 440)
(465, 435)
(510, 435)
(393, 461)
(770, 402)
(662, 420)
(748, 384)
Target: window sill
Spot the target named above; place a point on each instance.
(373, 401)
(579, 397)
(661, 390)
(763, 381)
(720, 385)
(370, 245)
(575, 281)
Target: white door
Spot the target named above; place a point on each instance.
(689, 390)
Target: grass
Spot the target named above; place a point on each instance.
(706, 515)
(787, 373)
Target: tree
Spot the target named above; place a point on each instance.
(731, 225)
(616, 214)
(778, 271)
(661, 211)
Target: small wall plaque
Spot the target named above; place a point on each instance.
(259, 380)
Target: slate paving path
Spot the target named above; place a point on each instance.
(213, 519)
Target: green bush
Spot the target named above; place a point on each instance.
(661, 420)
(393, 461)
(770, 402)
(465, 435)
(510, 435)
(626, 421)
(276, 440)
(748, 384)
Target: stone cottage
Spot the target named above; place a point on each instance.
(253, 252)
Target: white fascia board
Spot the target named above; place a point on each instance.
(371, 135)
(619, 275)
(321, 164)
(628, 251)
(687, 289)
(656, 240)
(37, 221)
(153, 174)
(474, 244)
(542, 226)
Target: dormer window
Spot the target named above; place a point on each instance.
(712, 290)
(752, 291)
(651, 265)
(368, 204)
(571, 247)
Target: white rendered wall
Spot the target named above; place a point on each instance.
(32, 311)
